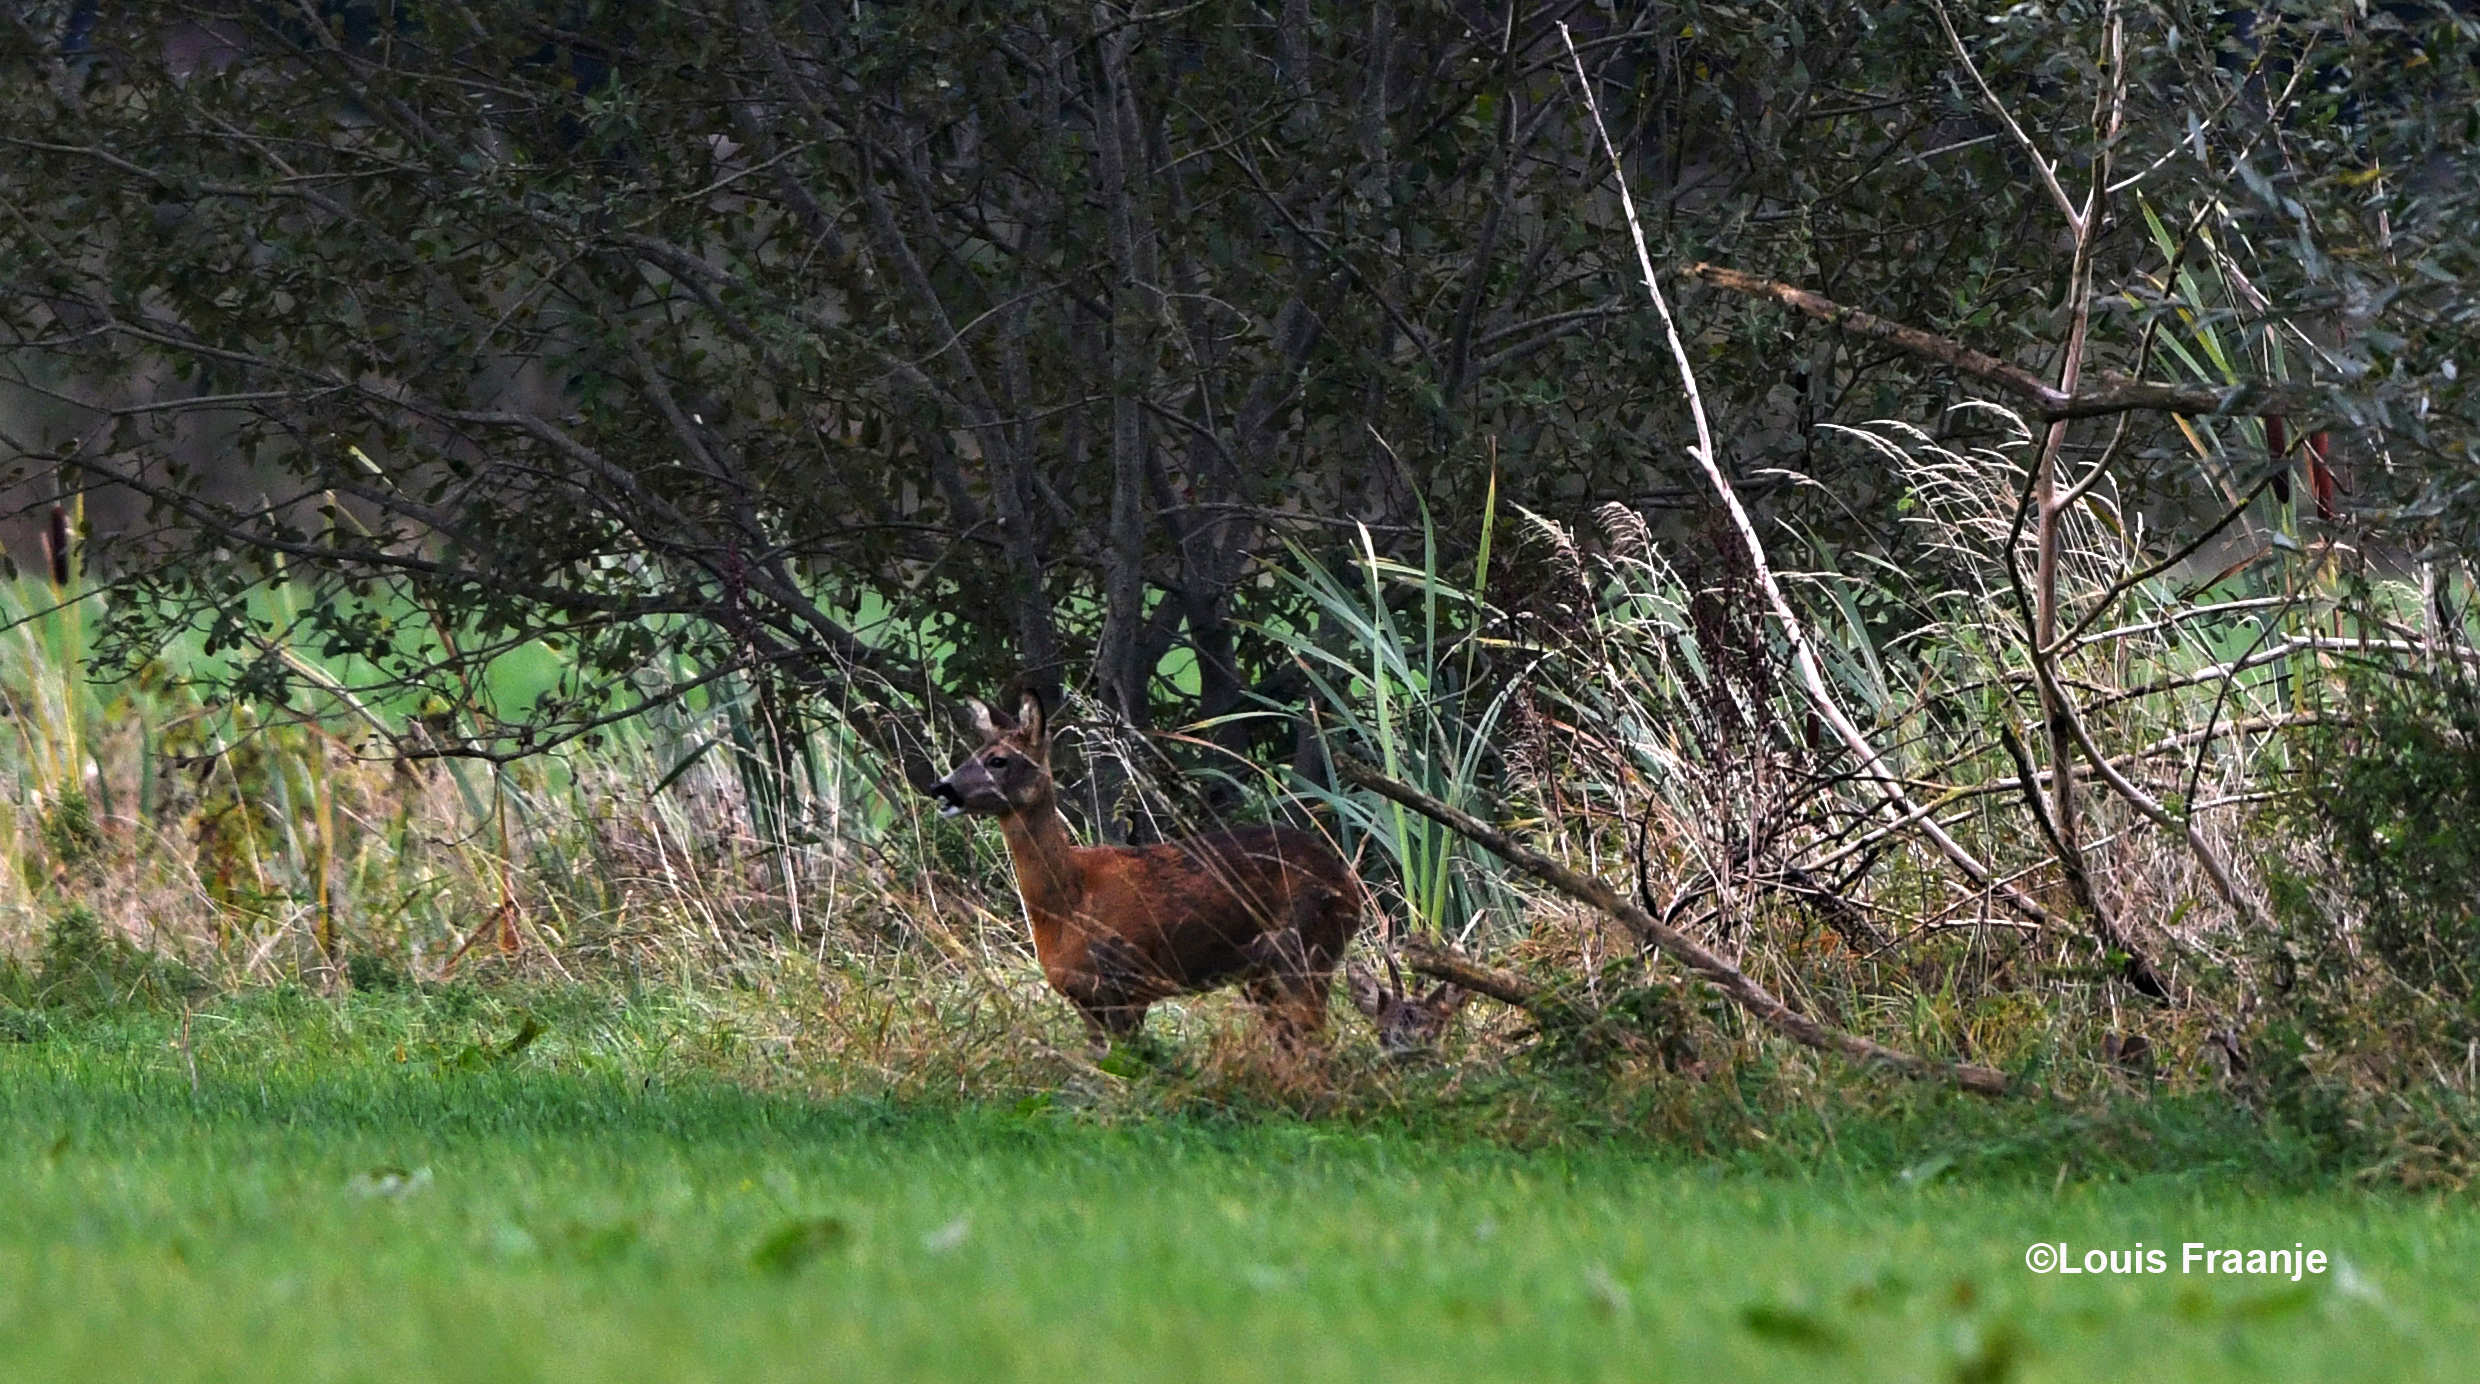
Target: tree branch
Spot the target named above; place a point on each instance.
(1686, 950)
(2112, 394)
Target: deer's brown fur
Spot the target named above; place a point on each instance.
(1119, 927)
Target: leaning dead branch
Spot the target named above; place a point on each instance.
(1680, 947)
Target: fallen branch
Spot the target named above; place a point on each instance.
(1680, 947)
(1445, 963)
(1552, 1010)
(2113, 394)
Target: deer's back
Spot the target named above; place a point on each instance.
(1192, 907)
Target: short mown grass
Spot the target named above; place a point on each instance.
(410, 1186)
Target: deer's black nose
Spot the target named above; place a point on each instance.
(950, 801)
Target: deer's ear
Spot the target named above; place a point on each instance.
(1366, 997)
(1031, 719)
(1446, 998)
(980, 715)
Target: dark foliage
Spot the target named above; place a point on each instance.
(2397, 788)
(888, 349)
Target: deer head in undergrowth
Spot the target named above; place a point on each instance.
(1010, 773)
(1408, 1025)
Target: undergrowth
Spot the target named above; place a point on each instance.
(1773, 1114)
(175, 856)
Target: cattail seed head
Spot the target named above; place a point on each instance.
(56, 544)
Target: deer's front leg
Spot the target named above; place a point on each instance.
(1109, 992)
(1106, 1025)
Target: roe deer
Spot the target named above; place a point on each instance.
(1119, 927)
(1408, 1025)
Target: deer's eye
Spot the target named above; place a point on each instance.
(997, 761)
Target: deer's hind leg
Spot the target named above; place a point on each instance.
(1292, 1016)
(1296, 966)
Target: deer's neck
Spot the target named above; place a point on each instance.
(1046, 872)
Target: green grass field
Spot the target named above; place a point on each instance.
(381, 1189)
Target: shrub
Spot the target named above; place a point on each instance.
(85, 967)
(2395, 787)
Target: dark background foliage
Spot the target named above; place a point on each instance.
(909, 350)
(2398, 782)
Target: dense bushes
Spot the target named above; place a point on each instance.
(2395, 783)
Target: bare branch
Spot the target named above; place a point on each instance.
(1804, 658)
(2112, 394)
(1687, 951)
(2041, 164)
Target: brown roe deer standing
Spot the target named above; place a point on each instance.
(1119, 927)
